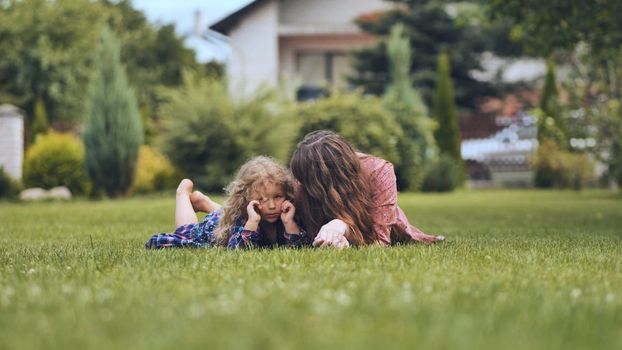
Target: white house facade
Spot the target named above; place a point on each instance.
(11, 140)
(301, 43)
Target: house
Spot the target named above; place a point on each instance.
(300, 43)
(499, 141)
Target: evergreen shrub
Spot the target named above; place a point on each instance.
(443, 175)
(207, 135)
(56, 159)
(561, 169)
(154, 171)
(114, 130)
(363, 120)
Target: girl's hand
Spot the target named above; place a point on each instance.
(253, 215)
(287, 217)
(287, 212)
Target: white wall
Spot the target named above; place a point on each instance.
(11, 141)
(254, 51)
(303, 12)
(290, 46)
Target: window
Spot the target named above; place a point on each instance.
(319, 70)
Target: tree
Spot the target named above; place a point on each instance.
(562, 24)
(447, 135)
(430, 29)
(155, 56)
(40, 124)
(410, 112)
(45, 48)
(588, 34)
(550, 123)
(114, 130)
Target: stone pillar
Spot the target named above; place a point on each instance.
(11, 140)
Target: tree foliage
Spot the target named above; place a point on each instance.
(114, 130)
(410, 112)
(430, 29)
(587, 35)
(448, 134)
(362, 120)
(208, 135)
(45, 48)
(154, 56)
(562, 24)
(40, 124)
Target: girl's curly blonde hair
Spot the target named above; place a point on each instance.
(251, 179)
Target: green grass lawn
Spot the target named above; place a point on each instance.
(519, 270)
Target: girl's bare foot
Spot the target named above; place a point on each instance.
(185, 187)
(201, 202)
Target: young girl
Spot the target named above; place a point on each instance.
(257, 213)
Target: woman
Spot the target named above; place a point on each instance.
(347, 197)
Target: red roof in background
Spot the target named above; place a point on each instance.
(483, 123)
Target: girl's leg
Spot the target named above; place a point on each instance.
(184, 213)
(201, 202)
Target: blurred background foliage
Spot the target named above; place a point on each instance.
(49, 60)
(56, 159)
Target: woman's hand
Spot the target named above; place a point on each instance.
(253, 215)
(332, 235)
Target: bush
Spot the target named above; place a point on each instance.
(9, 188)
(561, 169)
(56, 160)
(154, 172)
(208, 135)
(444, 175)
(362, 120)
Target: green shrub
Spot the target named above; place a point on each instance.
(9, 188)
(207, 135)
(56, 160)
(40, 124)
(362, 120)
(443, 175)
(154, 172)
(561, 169)
(414, 146)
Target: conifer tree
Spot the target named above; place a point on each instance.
(410, 111)
(40, 124)
(114, 131)
(550, 125)
(448, 134)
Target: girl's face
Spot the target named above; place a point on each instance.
(270, 199)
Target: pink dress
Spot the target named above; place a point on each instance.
(390, 222)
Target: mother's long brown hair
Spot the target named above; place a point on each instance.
(333, 186)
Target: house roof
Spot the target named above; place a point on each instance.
(225, 25)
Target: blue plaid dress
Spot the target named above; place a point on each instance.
(201, 234)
